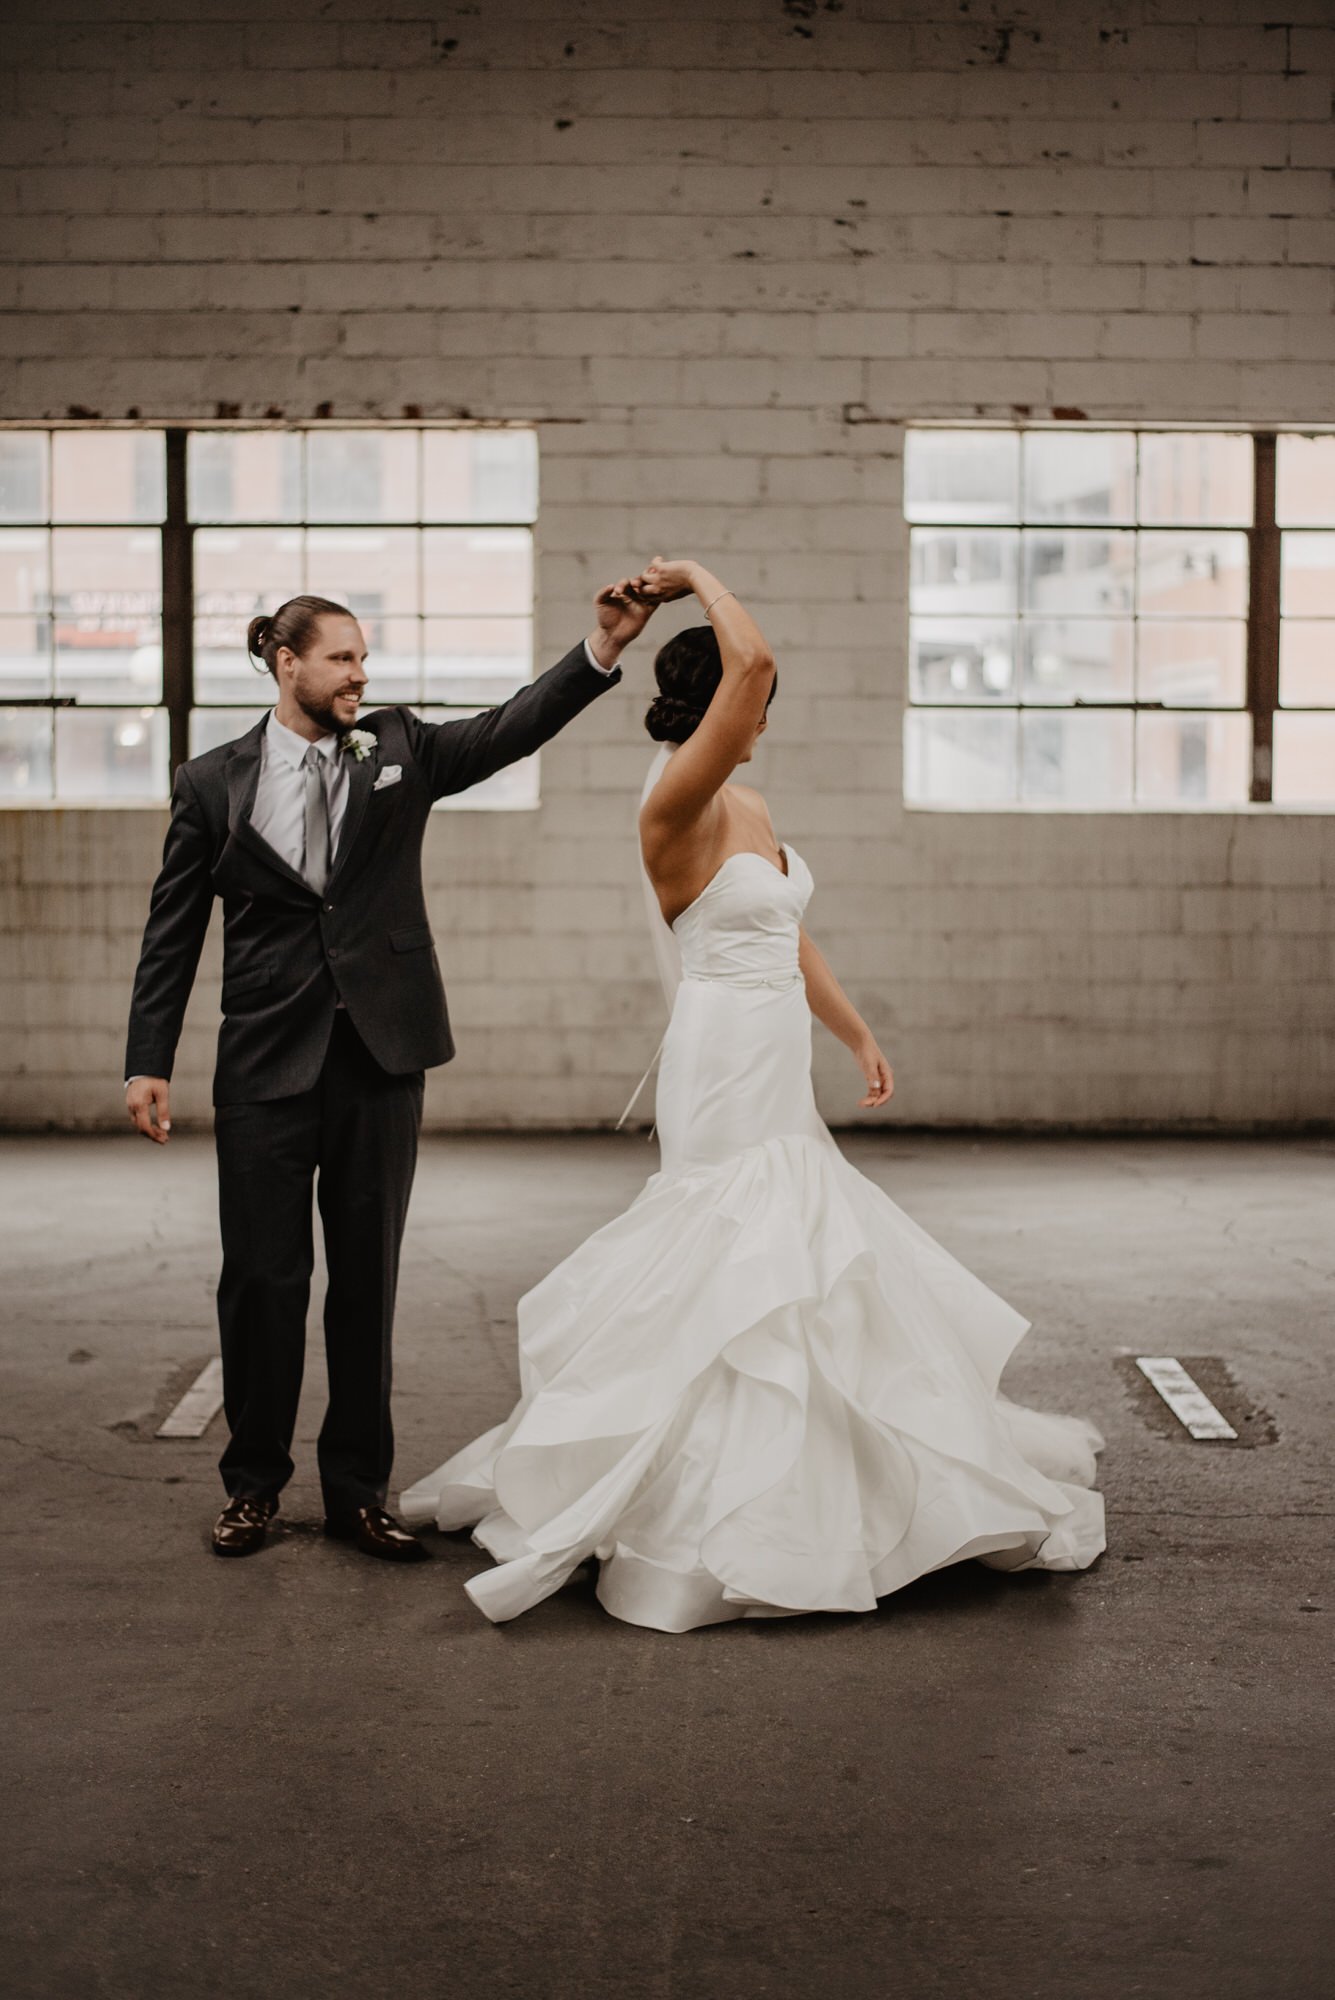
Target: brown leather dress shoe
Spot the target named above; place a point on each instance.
(377, 1533)
(240, 1529)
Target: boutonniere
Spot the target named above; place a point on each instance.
(360, 741)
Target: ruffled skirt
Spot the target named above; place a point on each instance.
(763, 1390)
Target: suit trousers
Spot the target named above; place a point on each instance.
(353, 1140)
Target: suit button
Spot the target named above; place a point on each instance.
(329, 906)
(333, 951)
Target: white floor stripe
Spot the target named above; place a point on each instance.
(1185, 1398)
(197, 1408)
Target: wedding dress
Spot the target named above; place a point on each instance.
(762, 1390)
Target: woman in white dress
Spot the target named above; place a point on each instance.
(762, 1390)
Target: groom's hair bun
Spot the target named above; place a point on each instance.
(688, 669)
(294, 625)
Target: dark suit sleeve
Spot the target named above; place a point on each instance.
(178, 918)
(460, 754)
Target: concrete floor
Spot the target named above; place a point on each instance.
(309, 1774)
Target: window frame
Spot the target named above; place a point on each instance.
(177, 530)
(1261, 696)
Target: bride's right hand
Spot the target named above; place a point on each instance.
(664, 581)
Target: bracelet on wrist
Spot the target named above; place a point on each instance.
(716, 600)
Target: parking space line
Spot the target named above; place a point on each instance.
(1184, 1397)
(197, 1408)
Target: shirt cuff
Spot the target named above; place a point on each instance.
(596, 663)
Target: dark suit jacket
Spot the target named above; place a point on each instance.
(290, 955)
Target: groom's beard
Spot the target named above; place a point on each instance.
(323, 713)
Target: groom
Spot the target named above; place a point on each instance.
(310, 831)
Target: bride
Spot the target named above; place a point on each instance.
(763, 1389)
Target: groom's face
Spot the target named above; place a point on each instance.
(329, 678)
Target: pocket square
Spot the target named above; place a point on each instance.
(389, 776)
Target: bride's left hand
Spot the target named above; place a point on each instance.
(879, 1076)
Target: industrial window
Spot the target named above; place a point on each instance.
(131, 562)
(1119, 618)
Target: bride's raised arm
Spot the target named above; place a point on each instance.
(684, 795)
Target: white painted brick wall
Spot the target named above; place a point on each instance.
(681, 236)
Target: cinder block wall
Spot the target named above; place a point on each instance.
(719, 251)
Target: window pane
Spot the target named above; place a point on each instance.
(1090, 657)
(25, 569)
(1307, 576)
(960, 572)
(1079, 476)
(1196, 478)
(25, 657)
(1192, 662)
(1193, 759)
(107, 602)
(962, 476)
(369, 570)
(1080, 570)
(1186, 575)
(478, 569)
(1306, 663)
(1075, 757)
(244, 476)
(24, 467)
(394, 660)
(238, 573)
(477, 659)
(479, 475)
(108, 476)
(961, 659)
(224, 671)
(25, 753)
(111, 753)
(1304, 760)
(514, 787)
(361, 475)
(1305, 482)
(959, 760)
(210, 727)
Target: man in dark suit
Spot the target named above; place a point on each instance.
(310, 831)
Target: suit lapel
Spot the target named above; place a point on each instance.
(243, 779)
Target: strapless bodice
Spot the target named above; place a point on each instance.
(742, 928)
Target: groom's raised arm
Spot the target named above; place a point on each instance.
(463, 753)
(178, 918)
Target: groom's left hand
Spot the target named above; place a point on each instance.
(622, 616)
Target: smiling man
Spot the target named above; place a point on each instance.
(310, 830)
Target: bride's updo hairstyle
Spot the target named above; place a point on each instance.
(292, 625)
(688, 669)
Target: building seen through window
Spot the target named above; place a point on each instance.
(1083, 630)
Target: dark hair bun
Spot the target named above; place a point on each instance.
(672, 720)
(257, 632)
(688, 669)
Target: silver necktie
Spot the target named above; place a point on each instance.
(317, 820)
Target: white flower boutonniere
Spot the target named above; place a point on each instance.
(360, 742)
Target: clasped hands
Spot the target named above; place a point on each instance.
(624, 608)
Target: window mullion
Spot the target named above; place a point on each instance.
(1263, 618)
(178, 608)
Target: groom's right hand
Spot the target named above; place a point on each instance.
(146, 1101)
